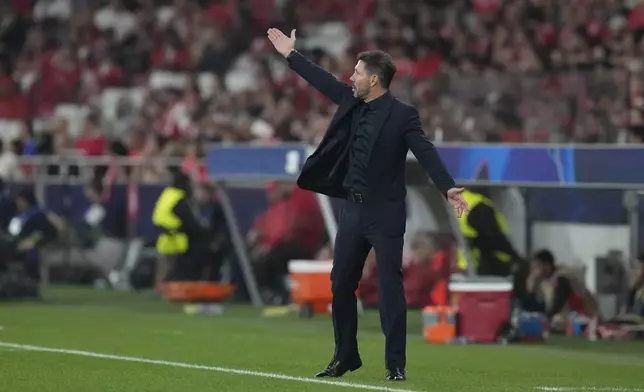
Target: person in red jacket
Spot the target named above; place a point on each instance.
(425, 275)
(308, 226)
(274, 240)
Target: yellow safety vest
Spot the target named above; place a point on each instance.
(172, 241)
(470, 233)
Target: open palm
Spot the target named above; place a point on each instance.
(283, 44)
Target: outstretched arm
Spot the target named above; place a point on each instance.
(316, 76)
(426, 154)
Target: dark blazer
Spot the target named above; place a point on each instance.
(400, 131)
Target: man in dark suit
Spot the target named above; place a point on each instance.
(362, 159)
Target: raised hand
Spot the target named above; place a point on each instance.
(283, 44)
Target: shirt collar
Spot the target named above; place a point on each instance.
(379, 102)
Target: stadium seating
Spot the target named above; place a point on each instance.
(489, 71)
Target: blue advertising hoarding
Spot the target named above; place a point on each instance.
(525, 164)
(553, 170)
(256, 162)
(539, 165)
(545, 164)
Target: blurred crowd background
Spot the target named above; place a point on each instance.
(158, 78)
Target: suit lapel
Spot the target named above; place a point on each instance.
(343, 110)
(384, 115)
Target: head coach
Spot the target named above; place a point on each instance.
(362, 159)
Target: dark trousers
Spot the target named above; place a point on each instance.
(361, 227)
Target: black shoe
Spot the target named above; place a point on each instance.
(396, 374)
(338, 368)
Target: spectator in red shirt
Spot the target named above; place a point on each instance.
(274, 242)
(91, 141)
(12, 103)
(60, 78)
(427, 63)
(192, 164)
(222, 12)
(172, 54)
(425, 275)
(636, 17)
(308, 221)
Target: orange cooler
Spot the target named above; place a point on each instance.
(311, 284)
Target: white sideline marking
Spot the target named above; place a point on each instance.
(595, 389)
(243, 372)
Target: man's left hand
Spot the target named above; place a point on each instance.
(457, 201)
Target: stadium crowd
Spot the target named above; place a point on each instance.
(155, 78)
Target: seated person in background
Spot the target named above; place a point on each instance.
(274, 240)
(552, 290)
(635, 300)
(425, 275)
(212, 217)
(90, 229)
(32, 228)
(309, 224)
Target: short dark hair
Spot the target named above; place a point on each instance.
(545, 257)
(378, 62)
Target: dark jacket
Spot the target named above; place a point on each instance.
(400, 132)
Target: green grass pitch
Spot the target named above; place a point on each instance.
(86, 340)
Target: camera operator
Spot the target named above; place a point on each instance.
(32, 228)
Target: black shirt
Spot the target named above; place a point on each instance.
(364, 125)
